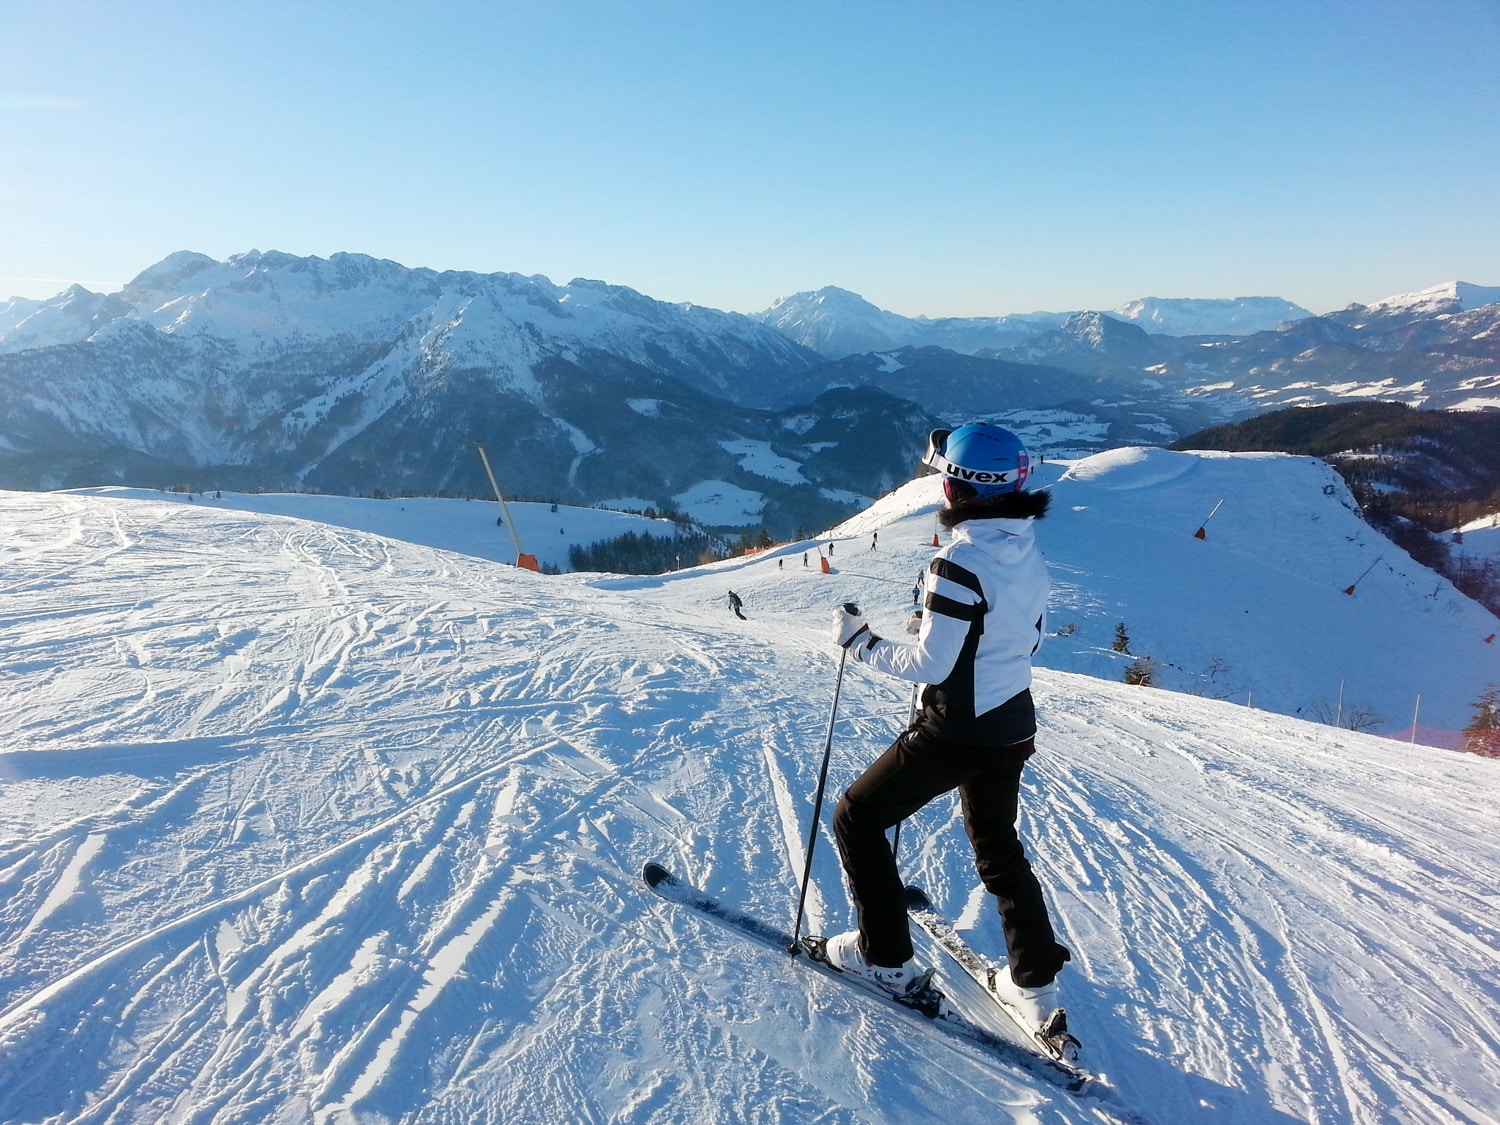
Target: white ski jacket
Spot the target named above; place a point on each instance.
(983, 618)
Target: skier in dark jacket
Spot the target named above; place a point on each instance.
(983, 618)
(736, 605)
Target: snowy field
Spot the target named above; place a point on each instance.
(470, 527)
(1481, 538)
(304, 823)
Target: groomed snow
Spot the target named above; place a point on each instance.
(470, 527)
(299, 823)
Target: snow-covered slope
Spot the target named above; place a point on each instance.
(1480, 539)
(1256, 611)
(74, 314)
(303, 823)
(466, 526)
(1451, 296)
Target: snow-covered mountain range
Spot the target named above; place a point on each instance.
(256, 306)
(1438, 348)
(1454, 296)
(835, 322)
(1237, 316)
(300, 822)
(353, 374)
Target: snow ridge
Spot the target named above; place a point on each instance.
(1451, 296)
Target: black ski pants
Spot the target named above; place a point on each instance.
(917, 768)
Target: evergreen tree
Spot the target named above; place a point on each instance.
(633, 553)
(1482, 735)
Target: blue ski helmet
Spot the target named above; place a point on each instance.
(980, 462)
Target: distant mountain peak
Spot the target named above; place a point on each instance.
(826, 295)
(835, 322)
(174, 268)
(1450, 296)
(1098, 329)
(1197, 316)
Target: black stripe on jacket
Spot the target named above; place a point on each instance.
(948, 707)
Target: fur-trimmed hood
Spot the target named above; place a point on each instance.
(1010, 506)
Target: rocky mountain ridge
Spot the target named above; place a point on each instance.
(357, 375)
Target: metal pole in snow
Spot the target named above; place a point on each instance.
(1350, 588)
(504, 511)
(1414, 712)
(1202, 532)
(1339, 719)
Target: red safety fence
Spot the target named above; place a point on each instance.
(1474, 742)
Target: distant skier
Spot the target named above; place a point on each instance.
(735, 604)
(985, 615)
(874, 538)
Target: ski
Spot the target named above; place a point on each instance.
(1052, 1039)
(940, 1015)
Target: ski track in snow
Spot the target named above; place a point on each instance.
(298, 823)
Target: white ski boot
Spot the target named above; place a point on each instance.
(1036, 1005)
(1039, 1009)
(844, 954)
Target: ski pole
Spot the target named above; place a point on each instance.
(812, 836)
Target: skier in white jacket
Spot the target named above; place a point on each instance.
(984, 615)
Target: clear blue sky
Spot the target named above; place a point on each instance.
(939, 158)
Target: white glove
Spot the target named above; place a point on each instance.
(850, 626)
